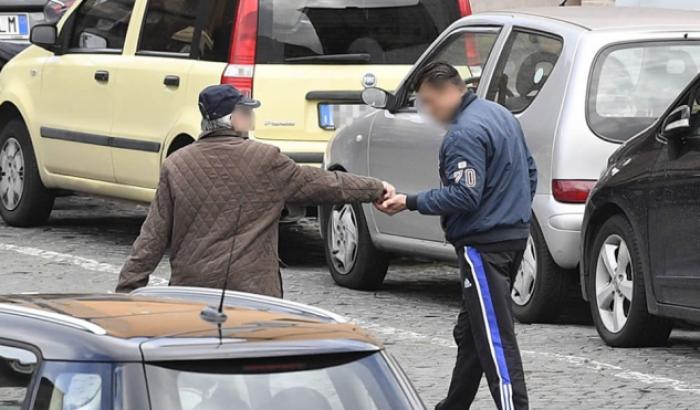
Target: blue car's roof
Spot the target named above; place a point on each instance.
(107, 327)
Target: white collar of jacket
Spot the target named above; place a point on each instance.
(223, 133)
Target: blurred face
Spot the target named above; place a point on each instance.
(243, 119)
(440, 102)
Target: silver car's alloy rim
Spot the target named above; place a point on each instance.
(343, 239)
(11, 174)
(524, 283)
(614, 277)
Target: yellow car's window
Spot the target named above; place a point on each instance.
(101, 25)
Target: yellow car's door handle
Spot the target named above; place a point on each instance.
(172, 81)
(102, 76)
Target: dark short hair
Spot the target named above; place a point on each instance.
(438, 74)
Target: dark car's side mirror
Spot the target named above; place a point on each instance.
(44, 36)
(376, 97)
(677, 122)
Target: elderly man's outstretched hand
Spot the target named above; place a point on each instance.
(392, 203)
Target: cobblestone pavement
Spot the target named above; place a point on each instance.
(566, 364)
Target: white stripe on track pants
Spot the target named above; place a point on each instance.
(485, 333)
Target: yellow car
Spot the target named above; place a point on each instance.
(99, 101)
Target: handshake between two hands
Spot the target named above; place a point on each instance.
(390, 203)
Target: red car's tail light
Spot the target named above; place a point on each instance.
(470, 45)
(465, 8)
(244, 42)
(573, 191)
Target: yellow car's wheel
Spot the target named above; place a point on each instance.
(24, 201)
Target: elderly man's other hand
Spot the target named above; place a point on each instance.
(393, 205)
(389, 192)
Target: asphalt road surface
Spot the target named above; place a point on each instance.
(566, 364)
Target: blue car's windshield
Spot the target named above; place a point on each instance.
(308, 383)
(90, 386)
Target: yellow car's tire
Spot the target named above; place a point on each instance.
(24, 200)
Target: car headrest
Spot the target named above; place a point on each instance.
(534, 71)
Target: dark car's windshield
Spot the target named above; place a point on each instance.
(321, 383)
(633, 84)
(350, 31)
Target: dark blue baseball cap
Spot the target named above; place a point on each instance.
(218, 101)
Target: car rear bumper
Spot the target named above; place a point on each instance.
(303, 152)
(561, 226)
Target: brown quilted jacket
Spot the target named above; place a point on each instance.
(218, 206)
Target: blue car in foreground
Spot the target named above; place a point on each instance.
(159, 348)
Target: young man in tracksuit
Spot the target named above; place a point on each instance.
(489, 180)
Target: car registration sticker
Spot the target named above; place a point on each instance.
(13, 26)
(334, 116)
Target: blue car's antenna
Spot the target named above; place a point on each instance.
(213, 314)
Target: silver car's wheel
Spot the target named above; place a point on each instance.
(343, 239)
(11, 174)
(614, 283)
(538, 292)
(524, 283)
(351, 257)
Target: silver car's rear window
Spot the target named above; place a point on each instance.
(335, 382)
(633, 84)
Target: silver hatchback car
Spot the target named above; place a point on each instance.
(580, 80)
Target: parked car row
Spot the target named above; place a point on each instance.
(108, 93)
(582, 82)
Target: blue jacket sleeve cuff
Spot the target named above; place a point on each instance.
(412, 202)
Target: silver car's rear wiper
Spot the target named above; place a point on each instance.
(360, 57)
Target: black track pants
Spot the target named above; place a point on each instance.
(484, 333)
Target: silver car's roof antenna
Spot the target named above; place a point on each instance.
(216, 315)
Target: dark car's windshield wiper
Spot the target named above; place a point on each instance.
(360, 57)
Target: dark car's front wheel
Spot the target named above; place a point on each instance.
(616, 289)
(24, 201)
(351, 257)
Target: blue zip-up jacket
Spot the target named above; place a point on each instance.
(489, 177)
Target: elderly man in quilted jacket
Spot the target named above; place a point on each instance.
(219, 203)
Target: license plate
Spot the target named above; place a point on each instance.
(13, 26)
(334, 116)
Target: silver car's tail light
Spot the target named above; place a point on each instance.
(572, 191)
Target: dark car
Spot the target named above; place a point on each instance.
(155, 350)
(640, 257)
(17, 17)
